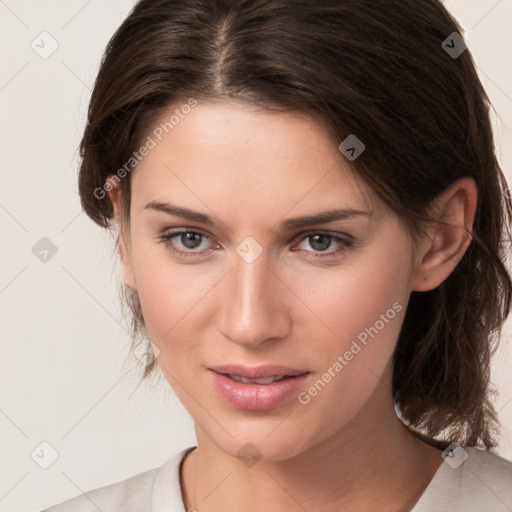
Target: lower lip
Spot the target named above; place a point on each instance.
(257, 397)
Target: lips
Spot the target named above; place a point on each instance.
(258, 372)
(260, 380)
(257, 397)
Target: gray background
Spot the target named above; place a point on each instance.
(64, 374)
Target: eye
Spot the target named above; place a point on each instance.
(320, 242)
(189, 241)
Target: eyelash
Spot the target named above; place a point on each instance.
(345, 244)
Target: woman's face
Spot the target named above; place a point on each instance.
(253, 288)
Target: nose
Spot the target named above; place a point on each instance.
(254, 303)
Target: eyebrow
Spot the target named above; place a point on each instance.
(286, 225)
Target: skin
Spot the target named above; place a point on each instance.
(251, 169)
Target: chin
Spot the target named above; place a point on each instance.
(251, 449)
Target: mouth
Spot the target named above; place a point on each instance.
(261, 380)
(257, 389)
(250, 374)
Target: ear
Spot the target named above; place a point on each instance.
(114, 191)
(447, 241)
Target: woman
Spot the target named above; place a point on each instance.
(312, 227)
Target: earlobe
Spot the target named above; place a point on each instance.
(449, 238)
(114, 192)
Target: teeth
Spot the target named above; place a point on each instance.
(263, 380)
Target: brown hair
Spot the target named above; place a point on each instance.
(376, 69)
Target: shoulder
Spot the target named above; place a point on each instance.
(474, 480)
(490, 474)
(133, 494)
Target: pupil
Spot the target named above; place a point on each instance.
(324, 245)
(187, 238)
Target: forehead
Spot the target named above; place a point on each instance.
(239, 157)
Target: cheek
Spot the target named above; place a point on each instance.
(361, 308)
(174, 298)
(352, 297)
(167, 291)
(368, 296)
(365, 310)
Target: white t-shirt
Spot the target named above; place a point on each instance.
(482, 482)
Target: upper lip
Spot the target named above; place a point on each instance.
(257, 372)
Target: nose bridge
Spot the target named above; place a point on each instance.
(252, 311)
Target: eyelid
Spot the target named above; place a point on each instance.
(345, 241)
(334, 234)
(298, 236)
(170, 235)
